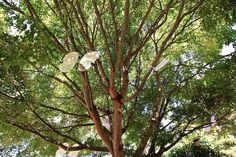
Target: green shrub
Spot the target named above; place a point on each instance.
(194, 151)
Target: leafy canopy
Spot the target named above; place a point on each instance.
(149, 111)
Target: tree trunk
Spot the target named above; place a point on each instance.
(117, 131)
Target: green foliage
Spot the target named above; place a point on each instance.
(193, 151)
(36, 97)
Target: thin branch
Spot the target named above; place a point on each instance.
(103, 33)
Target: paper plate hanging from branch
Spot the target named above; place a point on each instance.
(61, 152)
(161, 64)
(69, 62)
(213, 123)
(85, 63)
(87, 60)
(106, 123)
(73, 153)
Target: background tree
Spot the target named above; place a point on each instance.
(191, 151)
(213, 142)
(149, 111)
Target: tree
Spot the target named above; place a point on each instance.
(193, 151)
(212, 143)
(124, 84)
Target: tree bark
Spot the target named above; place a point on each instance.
(117, 130)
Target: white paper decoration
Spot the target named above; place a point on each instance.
(208, 128)
(61, 152)
(159, 66)
(162, 64)
(106, 123)
(213, 123)
(69, 62)
(73, 153)
(85, 63)
(213, 120)
(218, 128)
(89, 57)
(87, 60)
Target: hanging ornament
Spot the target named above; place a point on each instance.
(61, 152)
(73, 153)
(106, 123)
(87, 60)
(218, 128)
(69, 62)
(85, 63)
(213, 123)
(208, 128)
(159, 66)
(213, 119)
